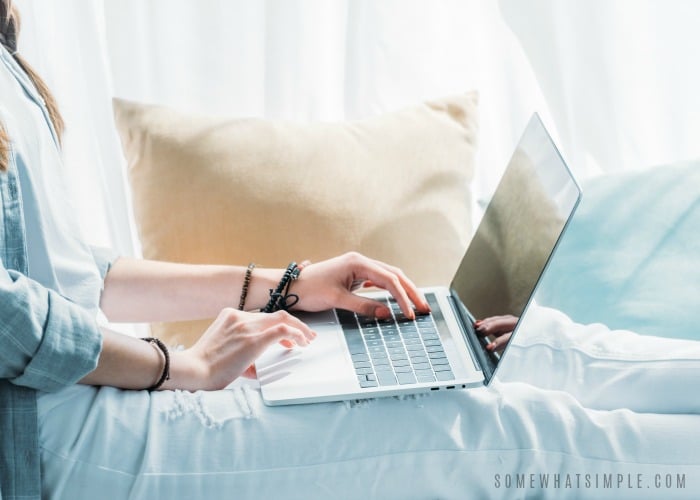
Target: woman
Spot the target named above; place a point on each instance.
(85, 442)
(51, 285)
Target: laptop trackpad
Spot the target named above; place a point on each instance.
(324, 361)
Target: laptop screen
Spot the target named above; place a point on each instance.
(519, 229)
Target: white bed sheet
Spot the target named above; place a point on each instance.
(450, 444)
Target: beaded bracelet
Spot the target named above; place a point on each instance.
(246, 283)
(285, 301)
(166, 367)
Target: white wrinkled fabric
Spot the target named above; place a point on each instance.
(448, 444)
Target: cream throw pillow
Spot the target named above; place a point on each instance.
(221, 190)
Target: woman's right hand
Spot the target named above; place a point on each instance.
(231, 345)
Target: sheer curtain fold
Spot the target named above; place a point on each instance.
(66, 44)
(619, 76)
(614, 80)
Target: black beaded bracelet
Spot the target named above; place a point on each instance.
(246, 283)
(166, 367)
(286, 300)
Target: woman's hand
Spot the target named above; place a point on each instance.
(231, 345)
(330, 283)
(500, 327)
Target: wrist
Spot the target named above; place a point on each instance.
(261, 282)
(187, 372)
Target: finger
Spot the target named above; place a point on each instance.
(411, 289)
(288, 319)
(499, 344)
(496, 317)
(364, 306)
(498, 325)
(282, 331)
(250, 372)
(381, 277)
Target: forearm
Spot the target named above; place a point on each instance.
(130, 363)
(147, 291)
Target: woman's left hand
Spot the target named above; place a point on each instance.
(500, 327)
(330, 283)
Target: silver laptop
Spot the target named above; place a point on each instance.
(357, 357)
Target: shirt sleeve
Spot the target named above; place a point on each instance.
(104, 258)
(46, 341)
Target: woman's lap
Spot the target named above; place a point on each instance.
(446, 444)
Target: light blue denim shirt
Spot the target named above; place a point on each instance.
(46, 340)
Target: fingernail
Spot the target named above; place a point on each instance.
(489, 347)
(477, 322)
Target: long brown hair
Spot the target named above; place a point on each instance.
(9, 30)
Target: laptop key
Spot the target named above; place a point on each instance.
(431, 342)
(364, 371)
(418, 356)
(400, 362)
(421, 366)
(380, 362)
(436, 355)
(426, 329)
(359, 357)
(402, 369)
(439, 362)
(362, 364)
(386, 378)
(379, 355)
(406, 378)
(368, 383)
(357, 349)
(441, 368)
(446, 375)
(345, 316)
(429, 377)
(434, 348)
(351, 331)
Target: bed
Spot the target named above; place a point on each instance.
(598, 399)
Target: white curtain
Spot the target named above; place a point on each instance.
(621, 77)
(614, 80)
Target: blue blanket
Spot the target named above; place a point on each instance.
(631, 257)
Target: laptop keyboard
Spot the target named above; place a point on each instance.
(395, 351)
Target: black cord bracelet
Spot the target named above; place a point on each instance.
(246, 283)
(286, 300)
(166, 367)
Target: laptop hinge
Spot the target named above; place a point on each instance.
(485, 359)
